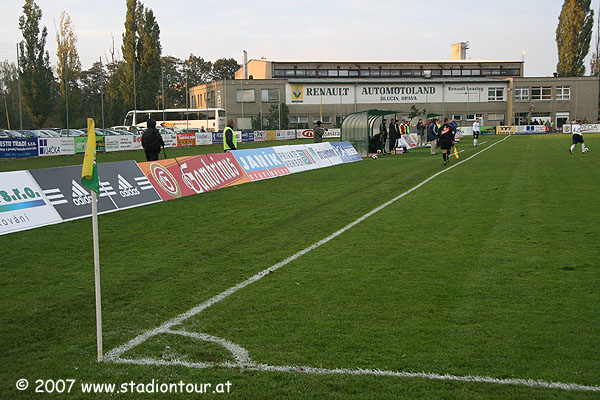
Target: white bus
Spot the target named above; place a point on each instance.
(211, 119)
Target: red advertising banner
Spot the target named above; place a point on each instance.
(185, 176)
(186, 139)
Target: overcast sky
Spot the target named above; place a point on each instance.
(312, 30)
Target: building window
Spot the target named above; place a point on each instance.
(300, 72)
(290, 72)
(563, 93)
(386, 72)
(522, 93)
(311, 72)
(541, 93)
(495, 94)
(295, 119)
(353, 72)
(326, 119)
(279, 72)
(270, 95)
(475, 72)
(436, 72)
(244, 95)
(332, 72)
(457, 117)
(243, 123)
(496, 117)
(456, 72)
(365, 72)
(343, 72)
(472, 117)
(395, 72)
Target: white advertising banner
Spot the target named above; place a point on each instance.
(304, 154)
(590, 128)
(382, 93)
(315, 150)
(203, 138)
(291, 158)
(137, 142)
(170, 140)
(23, 204)
(286, 134)
(56, 146)
(126, 142)
(260, 136)
(329, 133)
(112, 143)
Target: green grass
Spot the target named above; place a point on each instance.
(490, 269)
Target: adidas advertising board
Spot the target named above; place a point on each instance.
(23, 204)
(56, 146)
(185, 176)
(119, 188)
(12, 148)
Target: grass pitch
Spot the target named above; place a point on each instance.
(488, 270)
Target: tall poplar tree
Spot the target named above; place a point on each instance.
(141, 50)
(34, 65)
(149, 50)
(68, 71)
(573, 36)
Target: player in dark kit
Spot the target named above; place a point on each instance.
(446, 140)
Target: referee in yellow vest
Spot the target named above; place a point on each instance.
(229, 137)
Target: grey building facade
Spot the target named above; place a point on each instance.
(494, 91)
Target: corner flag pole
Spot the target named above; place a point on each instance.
(97, 275)
(89, 178)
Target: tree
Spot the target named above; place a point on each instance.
(36, 75)
(198, 70)
(149, 50)
(595, 61)
(285, 116)
(224, 68)
(94, 84)
(255, 121)
(573, 36)
(129, 50)
(172, 82)
(68, 71)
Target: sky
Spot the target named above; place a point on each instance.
(374, 30)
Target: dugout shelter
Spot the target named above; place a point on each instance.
(360, 127)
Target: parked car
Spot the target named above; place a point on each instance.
(14, 134)
(34, 134)
(72, 132)
(50, 132)
(108, 132)
(3, 134)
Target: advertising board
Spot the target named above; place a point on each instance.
(23, 204)
(12, 148)
(56, 146)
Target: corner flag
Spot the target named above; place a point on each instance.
(89, 179)
(455, 152)
(89, 172)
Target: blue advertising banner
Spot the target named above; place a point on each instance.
(253, 166)
(346, 151)
(12, 148)
(217, 137)
(247, 137)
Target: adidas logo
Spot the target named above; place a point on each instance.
(80, 196)
(55, 196)
(126, 189)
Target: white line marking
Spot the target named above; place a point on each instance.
(241, 354)
(533, 383)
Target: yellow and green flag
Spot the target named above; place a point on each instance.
(455, 152)
(89, 172)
